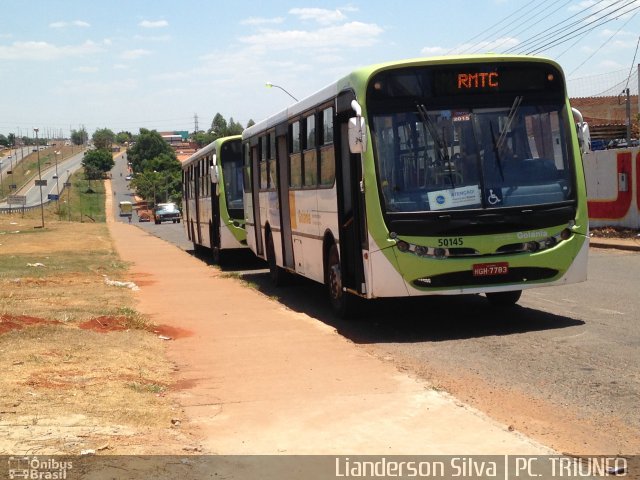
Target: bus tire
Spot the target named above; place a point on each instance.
(216, 256)
(342, 303)
(503, 299)
(278, 274)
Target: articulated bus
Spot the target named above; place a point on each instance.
(213, 196)
(450, 175)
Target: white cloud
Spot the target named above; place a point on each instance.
(608, 65)
(75, 23)
(261, 21)
(46, 51)
(497, 45)
(353, 34)
(134, 54)
(153, 24)
(433, 51)
(86, 69)
(94, 88)
(156, 38)
(120, 66)
(320, 15)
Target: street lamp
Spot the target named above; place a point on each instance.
(271, 85)
(57, 185)
(39, 179)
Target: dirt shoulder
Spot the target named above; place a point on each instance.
(256, 378)
(83, 371)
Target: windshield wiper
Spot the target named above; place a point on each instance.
(441, 147)
(496, 150)
(499, 143)
(507, 126)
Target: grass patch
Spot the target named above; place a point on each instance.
(79, 384)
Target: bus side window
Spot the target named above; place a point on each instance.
(310, 154)
(271, 161)
(263, 162)
(295, 157)
(327, 154)
(247, 167)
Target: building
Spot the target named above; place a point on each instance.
(607, 116)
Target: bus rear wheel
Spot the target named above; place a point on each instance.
(278, 274)
(503, 299)
(342, 302)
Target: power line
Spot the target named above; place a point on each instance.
(568, 36)
(632, 64)
(554, 30)
(600, 47)
(489, 29)
(527, 20)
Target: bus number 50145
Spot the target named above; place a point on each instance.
(450, 242)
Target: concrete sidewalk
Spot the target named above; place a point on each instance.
(629, 244)
(256, 378)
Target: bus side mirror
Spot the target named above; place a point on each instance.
(357, 135)
(214, 174)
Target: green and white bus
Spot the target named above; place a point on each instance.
(212, 197)
(449, 175)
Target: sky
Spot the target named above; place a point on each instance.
(131, 64)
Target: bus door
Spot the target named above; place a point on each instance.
(351, 211)
(198, 193)
(283, 197)
(215, 204)
(255, 179)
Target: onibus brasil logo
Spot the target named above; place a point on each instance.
(38, 468)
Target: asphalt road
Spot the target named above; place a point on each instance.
(562, 366)
(54, 175)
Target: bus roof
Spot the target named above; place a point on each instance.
(363, 73)
(212, 147)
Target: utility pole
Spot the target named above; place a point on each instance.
(39, 179)
(628, 108)
(195, 123)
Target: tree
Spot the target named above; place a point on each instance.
(149, 145)
(12, 139)
(79, 137)
(202, 139)
(219, 126)
(159, 173)
(103, 139)
(96, 163)
(124, 137)
(250, 123)
(4, 140)
(234, 128)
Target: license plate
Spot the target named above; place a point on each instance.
(490, 269)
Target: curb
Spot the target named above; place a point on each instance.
(617, 246)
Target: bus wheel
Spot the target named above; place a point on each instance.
(277, 274)
(503, 299)
(342, 303)
(216, 255)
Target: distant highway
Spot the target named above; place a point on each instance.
(55, 176)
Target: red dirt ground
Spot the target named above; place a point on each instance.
(18, 322)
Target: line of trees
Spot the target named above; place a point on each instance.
(157, 171)
(219, 128)
(97, 162)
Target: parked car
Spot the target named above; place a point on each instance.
(164, 212)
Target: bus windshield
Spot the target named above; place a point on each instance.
(472, 158)
(232, 173)
(444, 142)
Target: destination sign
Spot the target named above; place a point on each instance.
(478, 80)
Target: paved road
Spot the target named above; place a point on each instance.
(55, 176)
(563, 366)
